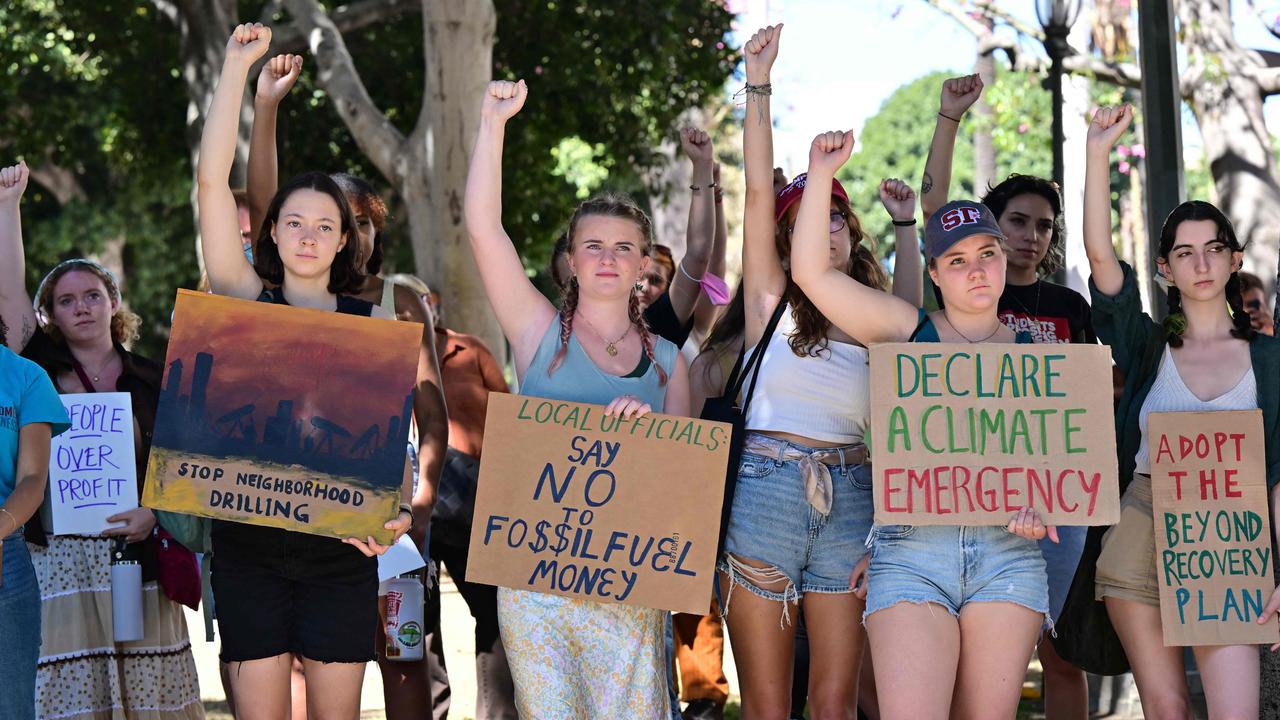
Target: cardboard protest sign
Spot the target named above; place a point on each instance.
(575, 503)
(282, 416)
(92, 467)
(1213, 531)
(971, 434)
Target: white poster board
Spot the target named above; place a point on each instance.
(92, 469)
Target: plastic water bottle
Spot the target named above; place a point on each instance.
(126, 594)
(404, 618)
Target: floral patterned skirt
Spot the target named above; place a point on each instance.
(83, 673)
(575, 658)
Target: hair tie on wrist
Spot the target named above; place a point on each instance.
(904, 223)
(954, 120)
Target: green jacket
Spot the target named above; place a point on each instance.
(1085, 636)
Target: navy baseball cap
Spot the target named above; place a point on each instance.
(956, 221)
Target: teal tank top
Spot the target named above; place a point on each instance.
(926, 332)
(578, 379)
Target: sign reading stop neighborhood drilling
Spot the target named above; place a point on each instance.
(285, 417)
(971, 434)
(1213, 535)
(573, 502)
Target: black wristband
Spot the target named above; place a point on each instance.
(904, 223)
(954, 120)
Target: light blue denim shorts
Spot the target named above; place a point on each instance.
(772, 523)
(1061, 559)
(952, 566)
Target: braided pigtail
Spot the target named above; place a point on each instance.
(1239, 316)
(646, 337)
(1175, 322)
(568, 308)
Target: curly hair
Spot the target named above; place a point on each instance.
(1175, 322)
(344, 277)
(617, 206)
(124, 323)
(810, 337)
(367, 202)
(998, 197)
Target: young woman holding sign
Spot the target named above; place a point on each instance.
(918, 606)
(802, 507)
(323, 602)
(1202, 358)
(571, 657)
(1029, 212)
(76, 330)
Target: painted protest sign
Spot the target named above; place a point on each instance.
(970, 434)
(92, 470)
(282, 416)
(575, 503)
(1213, 534)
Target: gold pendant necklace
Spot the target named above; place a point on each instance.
(610, 347)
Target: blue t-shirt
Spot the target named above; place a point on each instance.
(26, 396)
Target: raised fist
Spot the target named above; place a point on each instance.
(248, 43)
(959, 94)
(829, 151)
(1109, 123)
(13, 182)
(760, 52)
(504, 99)
(278, 76)
(898, 198)
(697, 145)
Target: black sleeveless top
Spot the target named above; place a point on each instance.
(347, 304)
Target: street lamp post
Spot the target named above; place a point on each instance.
(1057, 17)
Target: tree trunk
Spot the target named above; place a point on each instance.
(984, 149)
(1224, 88)
(458, 49)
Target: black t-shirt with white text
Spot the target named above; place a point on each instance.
(1052, 313)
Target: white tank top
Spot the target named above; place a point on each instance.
(825, 398)
(1170, 394)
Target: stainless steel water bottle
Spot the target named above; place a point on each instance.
(126, 594)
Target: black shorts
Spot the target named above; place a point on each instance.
(277, 591)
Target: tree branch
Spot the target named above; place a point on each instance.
(1123, 74)
(1268, 79)
(962, 16)
(290, 37)
(380, 141)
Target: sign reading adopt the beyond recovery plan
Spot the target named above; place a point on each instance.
(971, 434)
(576, 503)
(1213, 535)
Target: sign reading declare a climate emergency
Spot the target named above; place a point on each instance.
(573, 502)
(971, 434)
(1213, 536)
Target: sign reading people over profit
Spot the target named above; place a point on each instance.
(92, 470)
(281, 416)
(573, 502)
(1213, 535)
(971, 434)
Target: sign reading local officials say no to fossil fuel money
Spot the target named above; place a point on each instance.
(971, 434)
(573, 502)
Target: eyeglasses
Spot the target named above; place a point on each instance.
(838, 221)
(1253, 305)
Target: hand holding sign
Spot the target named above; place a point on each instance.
(138, 524)
(1027, 524)
(1269, 613)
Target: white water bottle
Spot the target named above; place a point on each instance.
(126, 595)
(404, 618)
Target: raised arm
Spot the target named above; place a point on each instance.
(958, 95)
(15, 302)
(763, 279)
(700, 231)
(1107, 126)
(523, 312)
(705, 312)
(274, 82)
(866, 313)
(908, 268)
(229, 270)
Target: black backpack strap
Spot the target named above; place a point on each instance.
(754, 363)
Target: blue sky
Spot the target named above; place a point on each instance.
(840, 59)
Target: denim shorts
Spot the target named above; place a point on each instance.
(19, 631)
(953, 565)
(772, 523)
(1060, 561)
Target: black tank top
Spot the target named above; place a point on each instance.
(347, 304)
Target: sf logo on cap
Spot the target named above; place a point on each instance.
(960, 216)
